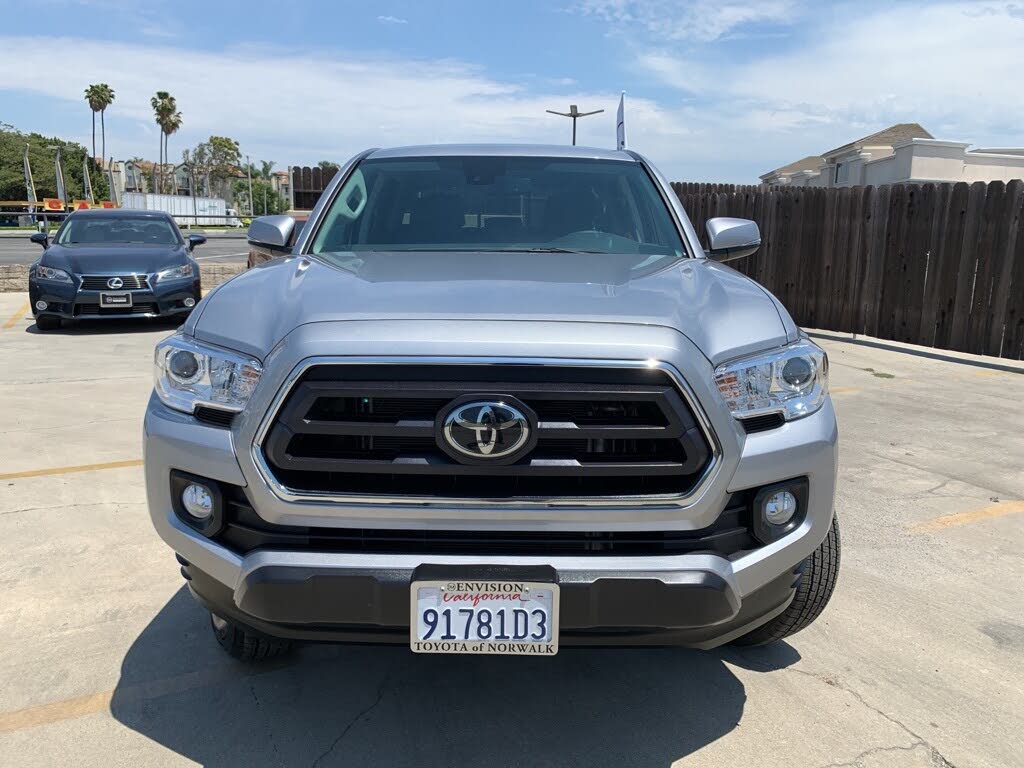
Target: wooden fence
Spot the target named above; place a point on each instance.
(309, 183)
(940, 265)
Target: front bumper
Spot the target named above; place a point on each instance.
(362, 602)
(67, 301)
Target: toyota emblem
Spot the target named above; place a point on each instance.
(486, 429)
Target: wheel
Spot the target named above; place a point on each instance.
(244, 644)
(47, 323)
(817, 582)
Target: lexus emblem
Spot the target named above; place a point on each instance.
(486, 429)
(115, 283)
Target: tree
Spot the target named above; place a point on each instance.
(328, 165)
(262, 190)
(165, 110)
(266, 168)
(217, 161)
(171, 125)
(100, 96)
(12, 180)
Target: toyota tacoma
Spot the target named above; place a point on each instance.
(496, 399)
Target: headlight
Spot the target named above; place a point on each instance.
(177, 273)
(50, 273)
(189, 374)
(792, 381)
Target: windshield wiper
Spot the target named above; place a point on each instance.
(552, 249)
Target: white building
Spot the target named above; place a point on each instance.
(905, 152)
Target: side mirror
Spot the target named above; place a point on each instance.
(41, 238)
(194, 240)
(272, 232)
(732, 238)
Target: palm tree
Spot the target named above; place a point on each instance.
(267, 166)
(93, 98)
(164, 107)
(171, 125)
(106, 98)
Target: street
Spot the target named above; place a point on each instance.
(220, 247)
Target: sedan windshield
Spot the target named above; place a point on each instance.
(121, 229)
(515, 204)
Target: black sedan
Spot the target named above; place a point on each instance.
(114, 264)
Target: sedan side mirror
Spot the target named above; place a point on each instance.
(732, 238)
(194, 240)
(41, 238)
(272, 232)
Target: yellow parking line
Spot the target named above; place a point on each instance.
(67, 470)
(16, 316)
(55, 712)
(1002, 509)
(843, 390)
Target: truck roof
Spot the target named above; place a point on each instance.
(503, 150)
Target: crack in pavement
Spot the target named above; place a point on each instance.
(69, 506)
(352, 722)
(935, 756)
(936, 759)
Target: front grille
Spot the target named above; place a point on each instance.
(95, 310)
(244, 531)
(99, 282)
(601, 432)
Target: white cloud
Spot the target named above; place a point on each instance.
(321, 105)
(392, 20)
(689, 20)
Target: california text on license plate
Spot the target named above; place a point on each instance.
(513, 617)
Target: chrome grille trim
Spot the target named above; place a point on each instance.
(99, 282)
(370, 500)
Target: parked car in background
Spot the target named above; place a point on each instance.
(114, 263)
(496, 399)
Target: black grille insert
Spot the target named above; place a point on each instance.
(601, 432)
(95, 310)
(729, 536)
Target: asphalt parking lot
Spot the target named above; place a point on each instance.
(221, 247)
(918, 661)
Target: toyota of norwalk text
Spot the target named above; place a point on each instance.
(496, 399)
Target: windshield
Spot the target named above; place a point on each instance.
(121, 229)
(534, 204)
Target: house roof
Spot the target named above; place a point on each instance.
(886, 137)
(809, 163)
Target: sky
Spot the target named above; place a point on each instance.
(716, 91)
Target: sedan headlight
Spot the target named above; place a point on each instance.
(792, 381)
(176, 273)
(51, 273)
(189, 374)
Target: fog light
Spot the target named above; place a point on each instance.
(41, 305)
(197, 501)
(779, 508)
(190, 302)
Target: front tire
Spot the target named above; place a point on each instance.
(47, 323)
(821, 570)
(245, 645)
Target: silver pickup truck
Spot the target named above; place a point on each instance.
(496, 399)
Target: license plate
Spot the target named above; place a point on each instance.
(115, 299)
(503, 617)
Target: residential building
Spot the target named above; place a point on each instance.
(904, 152)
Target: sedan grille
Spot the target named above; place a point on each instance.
(375, 430)
(101, 282)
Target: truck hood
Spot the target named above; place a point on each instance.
(724, 313)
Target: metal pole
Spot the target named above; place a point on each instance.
(575, 114)
(252, 203)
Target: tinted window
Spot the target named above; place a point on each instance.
(500, 203)
(96, 231)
